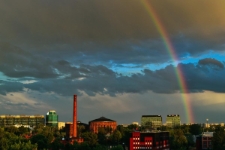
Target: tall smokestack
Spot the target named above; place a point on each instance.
(75, 116)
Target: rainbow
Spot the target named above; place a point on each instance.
(172, 53)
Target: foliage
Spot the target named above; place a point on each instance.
(185, 129)
(90, 138)
(10, 140)
(102, 136)
(195, 129)
(80, 128)
(218, 141)
(116, 136)
(178, 139)
(119, 147)
(40, 140)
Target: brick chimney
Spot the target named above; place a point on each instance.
(75, 116)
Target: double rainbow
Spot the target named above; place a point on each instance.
(172, 53)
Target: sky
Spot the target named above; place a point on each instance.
(123, 58)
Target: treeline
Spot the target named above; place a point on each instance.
(46, 137)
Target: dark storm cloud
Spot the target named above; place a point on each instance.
(211, 61)
(107, 24)
(70, 46)
(7, 87)
(15, 62)
(101, 80)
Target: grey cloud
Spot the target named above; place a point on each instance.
(211, 61)
(10, 86)
(101, 80)
(46, 23)
(16, 62)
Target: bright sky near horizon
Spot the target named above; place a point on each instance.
(116, 56)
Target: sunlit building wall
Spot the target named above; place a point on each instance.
(151, 122)
(173, 121)
(11, 120)
(102, 122)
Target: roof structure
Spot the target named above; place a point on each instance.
(102, 119)
(151, 115)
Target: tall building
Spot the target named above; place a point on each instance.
(52, 118)
(75, 116)
(151, 122)
(10, 120)
(173, 121)
(149, 140)
(71, 127)
(102, 122)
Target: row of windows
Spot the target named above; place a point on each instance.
(142, 147)
(148, 148)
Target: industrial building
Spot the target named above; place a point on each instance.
(102, 122)
(173, 121)
(71, 127)
(149, 140)
(52, 118)
(151, 122)
(11, 120)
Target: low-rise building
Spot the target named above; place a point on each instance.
(204, 141)
(149, 140)
(102, 122)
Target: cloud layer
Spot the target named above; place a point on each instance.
(108, 48)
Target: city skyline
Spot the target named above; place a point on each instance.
(123, 59)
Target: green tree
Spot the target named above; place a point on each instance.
(195, 129)
(23, 146)
(90, 138)
(218, 141)
(40, 140)
(178, 139)
(80, 128)
(23, 130)
(102, 136)
(116, 136)
(185, 128)
(4, 144)
(100, 147)
(119, 147)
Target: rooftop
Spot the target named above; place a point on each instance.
(102, 119)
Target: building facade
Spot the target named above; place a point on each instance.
(204, 141)
(52, 118)
(149, 140)
(173, 121)
(10, 120)
(151, 122)
(102, 122)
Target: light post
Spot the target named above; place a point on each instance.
(207, 123)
